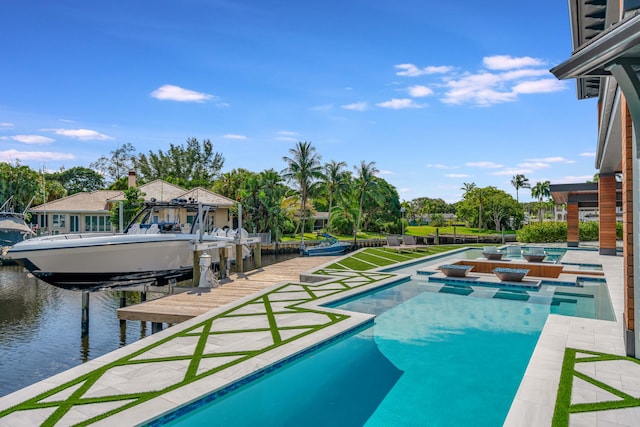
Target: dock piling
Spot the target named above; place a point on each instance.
(84, 327)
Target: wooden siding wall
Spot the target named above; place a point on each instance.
(607, 208)
(627, 214)
(573, 232)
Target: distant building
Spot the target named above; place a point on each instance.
(91, 211)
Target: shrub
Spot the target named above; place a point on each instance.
(545, 232)
(548, 232)
(589, 231)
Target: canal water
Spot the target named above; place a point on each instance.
(40, 326)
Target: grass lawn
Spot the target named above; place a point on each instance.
(426, 230)
(371, 258)
(411, 230)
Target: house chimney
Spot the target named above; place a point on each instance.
(132, 179)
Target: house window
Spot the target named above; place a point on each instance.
(74, 223)
(97, 223)
(59, 221)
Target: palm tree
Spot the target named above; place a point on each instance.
(468, 187)
(303, 169)
(365, 186)
(520, 181)
(335, 183)
(540, 191)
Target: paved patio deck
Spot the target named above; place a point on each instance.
(144, 380)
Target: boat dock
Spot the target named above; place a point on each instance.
(179, 307)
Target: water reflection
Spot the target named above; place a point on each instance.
(40, 327)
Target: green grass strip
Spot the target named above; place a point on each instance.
(345, 280)
(564, 408)
(197, 355)
(563, 401)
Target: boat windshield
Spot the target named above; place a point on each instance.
(174, 217)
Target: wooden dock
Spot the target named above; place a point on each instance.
(186, 305)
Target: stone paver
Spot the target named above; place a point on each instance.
(175, 366)
(144, 380)
(595, 369)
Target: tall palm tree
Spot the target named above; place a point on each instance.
(365, 186)
(467, 187)
(520, 181)
(540, 191)
(335, 183)
(303, 169)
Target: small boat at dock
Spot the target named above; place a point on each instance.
(329, 245)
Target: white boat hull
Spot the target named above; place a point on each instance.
(76, 261)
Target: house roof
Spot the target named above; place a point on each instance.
(584, 194)
(203, 195)
(99, 201)
(588, 20)
(158, 189)
(95, 201)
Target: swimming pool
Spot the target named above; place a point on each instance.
(431, 358)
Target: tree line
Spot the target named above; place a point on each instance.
(280, 202)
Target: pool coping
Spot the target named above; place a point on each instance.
(15, 410)
(535, 400)
(544, 365)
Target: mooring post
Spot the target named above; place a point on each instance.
(123, 299)
(223, 263)
(196, 268)
(239, 260)
(257, 255)
(123, 332)
(84, 328)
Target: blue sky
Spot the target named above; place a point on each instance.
(435, 93)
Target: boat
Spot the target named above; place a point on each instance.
(329, 245)
(13, 227)
(156, 246)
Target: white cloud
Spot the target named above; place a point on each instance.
(32, 139)
(483, 165)
(507, 62)
(588, 154)
(556, 159)
(419, 91)
(398, 104)
(457, 175)
(11, 155)
(539, 86)
(6, 125)
(356, 106)
(384, 172)
(233, 136)
(511, 172)
(534, 165)
(287, 136)
(440, 166)
(411, 70)
(176, 93)
(81, 134)
(506, 78)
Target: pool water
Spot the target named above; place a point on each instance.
(431, 358)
